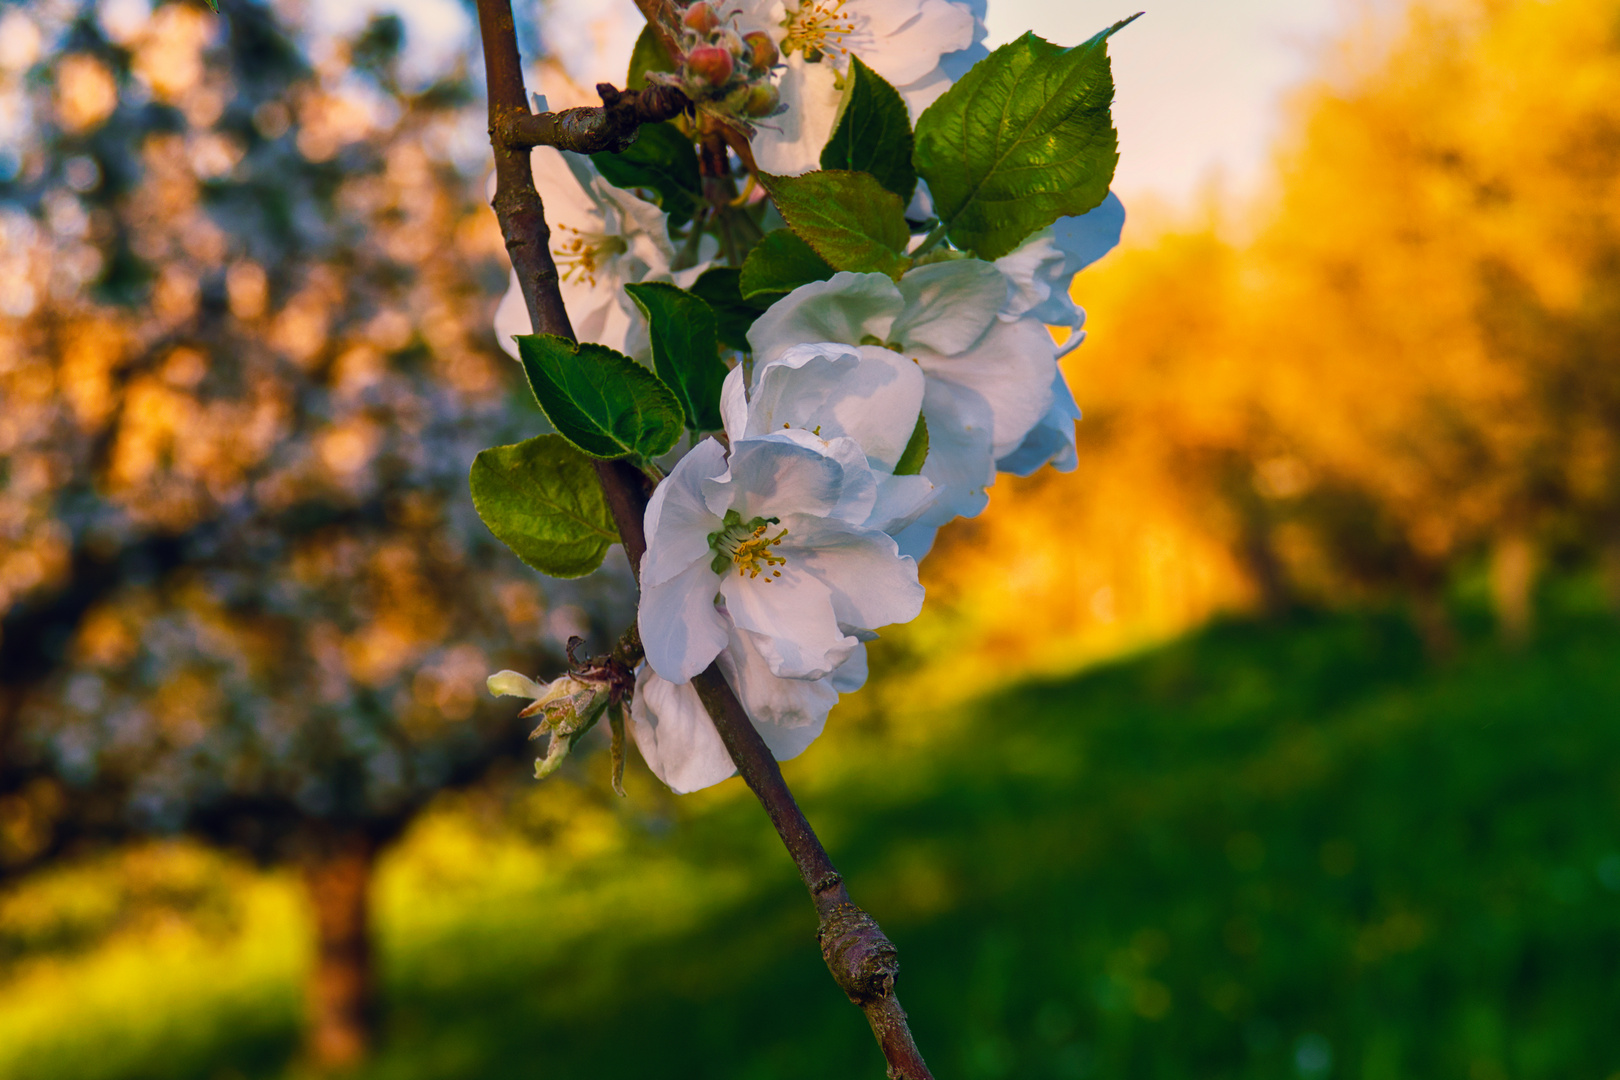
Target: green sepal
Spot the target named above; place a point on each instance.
(541, 498)
(601, 400)
(848, 218)
(1024, 138)
(873, 132)
(685, 349)
(916, 451)
(663, 162)
(721, 288)
(780, 263)
(648, 55)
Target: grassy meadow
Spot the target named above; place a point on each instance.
(1290, 849)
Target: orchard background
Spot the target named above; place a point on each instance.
(1276, 740)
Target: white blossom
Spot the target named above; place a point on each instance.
(865, 393)
(987, 381)
(901, 40)
(769, 539)
(1039, 273)
(1040, 269)
(678, 740)
(602, 238)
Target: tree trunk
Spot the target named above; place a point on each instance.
(1513, 581)
(341, 992)
(1434, 625)
(1611, 570)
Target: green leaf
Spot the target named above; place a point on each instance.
(541, 498)
(916, 451)
(600, 400)
(1024, 138)
(780, 263)
(662, 161)
(873, 132)
(721, 288)
(851, 220)
(685, 348)
(213, 5)
(648, 55)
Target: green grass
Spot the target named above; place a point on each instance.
(1264, 851)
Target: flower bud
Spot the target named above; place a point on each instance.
(727, 39)
(701, 17)
(761, 50)
(711, 64)
(762, 100)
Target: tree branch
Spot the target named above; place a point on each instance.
(861, 959)
(610, 127)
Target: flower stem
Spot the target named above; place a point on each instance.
(934, 238)
(861, 959)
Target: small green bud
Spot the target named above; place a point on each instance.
(762, 100)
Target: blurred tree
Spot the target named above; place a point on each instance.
(1438, 283)
(245, 362)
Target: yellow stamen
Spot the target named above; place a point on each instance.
(817, 27)
(581, 255)
(753, 556)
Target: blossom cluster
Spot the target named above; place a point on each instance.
(867, 410)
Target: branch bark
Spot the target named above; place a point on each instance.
(862, 960)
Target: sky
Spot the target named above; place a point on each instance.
(1199, 83)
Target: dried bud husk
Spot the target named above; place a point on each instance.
(568, 708)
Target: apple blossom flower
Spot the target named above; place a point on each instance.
(770, 540)
(678, 740)
(1040, 269)
(987, 381)
(865, 393)
(1039, 273)
(901, 40)
(602, 238)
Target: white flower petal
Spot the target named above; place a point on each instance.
(770, 477)
(851, 674)
(794, 619)
(902, 40)
(681, 630)
(512, 318)
(899, 501)
(677, 521)
(917, 540)
(959, 462)
(949, 305)
(676, 738)
(788, 713)
(1050, 442)
(514, 684)
(1011, 370)
(869, 583)
(866, 393)
(847, 308)
(790, 143)
(1087, 237)
(1040, 271)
